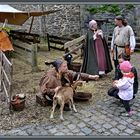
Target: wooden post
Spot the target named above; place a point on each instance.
(48, 41)
(34, 58)
(0, 70)
(31, 24)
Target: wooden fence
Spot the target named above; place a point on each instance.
(26, 52)
(25, 37)
(6, 71)
(75, 47)
(56, 42)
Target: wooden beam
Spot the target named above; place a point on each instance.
(74, 41)
(31, 24)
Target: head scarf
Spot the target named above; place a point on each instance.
(57, 63)
(91, 23)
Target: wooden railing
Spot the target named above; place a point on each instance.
(6, 76)
(26, 52)
(56, 42)
(75, 47)
(25, 37)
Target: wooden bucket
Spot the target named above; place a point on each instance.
(82, 96)
(18, 106)
(75, 66)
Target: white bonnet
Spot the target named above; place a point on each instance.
(91, 23)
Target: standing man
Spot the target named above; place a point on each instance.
(123, 39)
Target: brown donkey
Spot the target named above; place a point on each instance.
(64, 95)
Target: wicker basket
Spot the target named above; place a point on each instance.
(82, 96)
(18, 106)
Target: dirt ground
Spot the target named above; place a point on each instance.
(25, 81)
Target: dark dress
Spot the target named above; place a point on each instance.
(96, 55)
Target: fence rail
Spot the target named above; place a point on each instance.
(56, 42)
(26, 52)
(75, 47)
(6, 71)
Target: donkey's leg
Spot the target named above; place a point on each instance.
(53, 109)
(73, 106)
(61, 110)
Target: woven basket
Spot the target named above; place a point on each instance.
(82, 96)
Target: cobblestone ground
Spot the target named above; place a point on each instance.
(102, 119)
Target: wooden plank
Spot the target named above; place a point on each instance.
(6, 59)
(34, 58)
(0, 70)
(6, 92)
(74, 50)
(77, 56)
(6, 76)
(57, 42)
(22, 45)
(23, 33)
(27, 60)
(59, 38)
(58, 48)
(74, 41)
(22, 52)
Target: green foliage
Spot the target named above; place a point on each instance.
(110, 8)
(129, 6)
(7, 29)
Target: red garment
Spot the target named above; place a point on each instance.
(100, 52)
(129, 75)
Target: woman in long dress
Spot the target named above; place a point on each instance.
(96, 53)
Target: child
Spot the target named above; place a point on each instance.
(118, 74)
(123, 88)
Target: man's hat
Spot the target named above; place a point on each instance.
(57, 63)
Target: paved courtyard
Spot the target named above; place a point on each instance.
(102, 119)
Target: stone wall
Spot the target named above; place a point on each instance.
(65, 22)
(71, 20)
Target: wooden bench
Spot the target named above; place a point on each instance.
(56, 42)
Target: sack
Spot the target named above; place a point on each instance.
(5, 43)
(127, 50)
